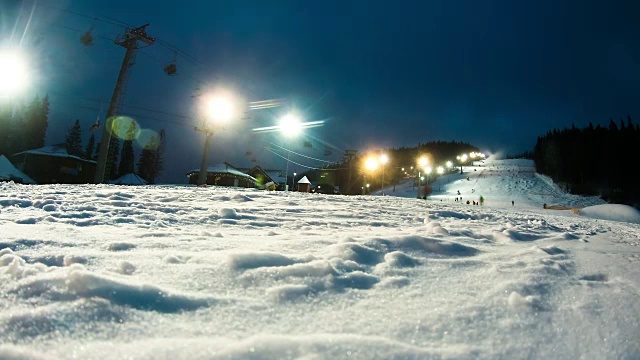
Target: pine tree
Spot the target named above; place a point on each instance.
(23, 128)
(90, 149)
(97, 152)
(147, 159)
(159, 158)
(5, 117)
(127, 157)
(73, 142)
(111, 166)
(151, 161)
(35, 123)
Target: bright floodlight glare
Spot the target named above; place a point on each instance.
(463, 158)
(290, 125)
(384, 158)
(14, 75)
(440, 170)
(221, 109)
(371, 163)
(449, 164)
(423, 161)
(427, 170)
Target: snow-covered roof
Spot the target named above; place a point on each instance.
(58, 150)
(10, 172)
(276, 175)
(129, 179)
(224, 168)
(304, 180)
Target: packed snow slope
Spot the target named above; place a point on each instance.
(499, 182)
(180, 272)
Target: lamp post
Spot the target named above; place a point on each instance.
(290, 125)
(370, 165)
(440, 171)
(428, 170)
(218, 109)
(462, 159)
(293, 183)
(422, 163)
(383, 160)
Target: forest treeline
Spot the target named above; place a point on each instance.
(592, 160)
(25, 127)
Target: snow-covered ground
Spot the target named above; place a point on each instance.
(180, 272)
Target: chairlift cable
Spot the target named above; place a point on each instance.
(295, 153)
(304, 166)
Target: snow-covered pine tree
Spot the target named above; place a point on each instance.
(73, 142)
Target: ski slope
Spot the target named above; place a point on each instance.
(499, 182)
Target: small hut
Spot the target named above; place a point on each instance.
(304, 185)
(129, 179)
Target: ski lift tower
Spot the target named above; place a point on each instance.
(130, 41)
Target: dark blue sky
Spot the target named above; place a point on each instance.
(496, 74)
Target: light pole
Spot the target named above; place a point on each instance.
(462, 159)
(422, 163)
(428, 171)
(370, 165)
(290, 125)
(293, 183)
(383, 160)
(440, 171)
(218, 109)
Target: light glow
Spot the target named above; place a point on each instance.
(14, 73)
(384, 159)
(221, 108)
(371, 163)
(423, 161)
(290, 125)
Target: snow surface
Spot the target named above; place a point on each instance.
(185, 272)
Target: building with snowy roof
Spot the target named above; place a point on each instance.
(54, 165)
(265, 176)
(223, 174)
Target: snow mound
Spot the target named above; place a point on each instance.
(614, 212)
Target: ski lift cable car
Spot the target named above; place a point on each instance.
(171, 69)
(87, 38)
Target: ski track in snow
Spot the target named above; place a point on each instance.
(98, 271)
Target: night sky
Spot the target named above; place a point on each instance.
(495, 74)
